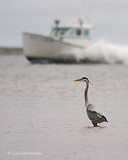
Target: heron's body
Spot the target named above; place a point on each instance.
(95, 116)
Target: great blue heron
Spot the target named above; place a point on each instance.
(95, 116)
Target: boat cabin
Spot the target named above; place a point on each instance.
(79, 30)
(70, 32)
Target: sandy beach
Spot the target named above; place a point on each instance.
(43, 112)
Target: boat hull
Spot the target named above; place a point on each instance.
(47, 48)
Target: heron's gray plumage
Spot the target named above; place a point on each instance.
(94, 115)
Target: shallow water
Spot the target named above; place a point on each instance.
(43, 114)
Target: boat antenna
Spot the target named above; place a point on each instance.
(57, 21)
(80, 22)
(57, 27)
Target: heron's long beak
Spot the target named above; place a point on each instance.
(78, 80)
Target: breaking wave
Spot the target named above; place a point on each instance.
(102, 52)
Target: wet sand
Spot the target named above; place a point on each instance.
(43, 114)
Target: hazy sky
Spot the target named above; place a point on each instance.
(109, 18)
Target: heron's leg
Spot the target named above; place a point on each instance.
(94, 124)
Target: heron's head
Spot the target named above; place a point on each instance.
(83, 79)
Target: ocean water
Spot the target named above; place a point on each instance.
(43, 113)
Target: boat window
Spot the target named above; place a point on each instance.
(70, 32)
(86, 32)
(78, 32)
(64, 31)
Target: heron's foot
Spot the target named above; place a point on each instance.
(99, 126)
(94, 124)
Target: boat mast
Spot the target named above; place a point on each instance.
(57, 27)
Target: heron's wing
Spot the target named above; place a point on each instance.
(94, 115)
(91, 107)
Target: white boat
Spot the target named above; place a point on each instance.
(60, 44)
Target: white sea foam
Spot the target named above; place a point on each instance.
(104, 52)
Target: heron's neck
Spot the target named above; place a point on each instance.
(86, 95)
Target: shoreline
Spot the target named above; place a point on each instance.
(11, 50)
